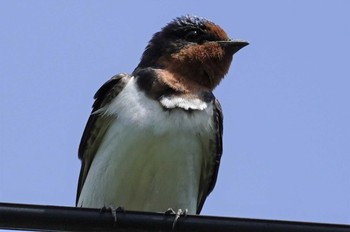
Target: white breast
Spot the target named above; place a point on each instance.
(150, 158)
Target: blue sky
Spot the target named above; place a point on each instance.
(285, 99)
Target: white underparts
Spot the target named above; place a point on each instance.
(150, 159)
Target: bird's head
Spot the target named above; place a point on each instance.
(192, 47)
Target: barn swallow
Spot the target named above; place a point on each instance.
(154, 138)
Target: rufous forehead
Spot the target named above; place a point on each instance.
(217, 31)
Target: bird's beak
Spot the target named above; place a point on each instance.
(233, 45)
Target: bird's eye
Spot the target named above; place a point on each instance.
(193, 35)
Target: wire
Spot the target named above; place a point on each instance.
(59, 218)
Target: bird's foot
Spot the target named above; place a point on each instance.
(178, 214)
(113, 210)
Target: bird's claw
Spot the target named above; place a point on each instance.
(113, 210)
(178, 214)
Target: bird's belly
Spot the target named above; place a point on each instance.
(149, 167)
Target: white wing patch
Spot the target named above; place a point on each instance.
(172, 102)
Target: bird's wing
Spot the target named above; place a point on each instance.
(208, 179)
(98, 124)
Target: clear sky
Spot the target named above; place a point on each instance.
(285, 99)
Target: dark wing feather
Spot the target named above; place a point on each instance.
(98, 124)
(217, 150)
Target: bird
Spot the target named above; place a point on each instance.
(153, 140)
